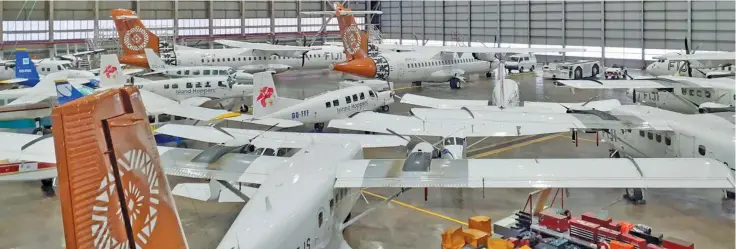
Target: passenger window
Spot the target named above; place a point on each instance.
(186, 72)
(166, 86)
(684, 91)
(335, 103)
(362, 96)
(196, 72)
(370, 93)
(174, 86)
(151, 119)
(701, 150)
(628, 130)
(692, 92)
(347, 99)
(202, 60)
(206, 72)
(220, 84)
(319, 220)
(659, 138)
(699, 93)
(178, 72)
(218, 59)
(198, 85)
(641, 133)
(249, 58)
(650, 135)
(164, 118)
(667, 140)
(189, 84)
(707, 94)
(328, 104)
(355, 97)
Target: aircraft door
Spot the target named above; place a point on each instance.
(686, 145)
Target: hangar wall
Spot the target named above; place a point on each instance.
(615, 32)
(48, 27)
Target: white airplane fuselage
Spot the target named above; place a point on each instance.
(668, 67)
(48, 66)
(272, 220)
(216, 87)
(693, 136)
(335, 105)
(206, 71)
(251, 62)
(684, 100)
(414, 66)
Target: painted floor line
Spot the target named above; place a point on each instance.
(415, 208)
(516, 146)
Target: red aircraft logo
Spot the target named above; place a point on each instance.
(110, 70)
(265, 96)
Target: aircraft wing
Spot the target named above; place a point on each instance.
(723, 57)
(412, 125)
(13, 81)
(34, 98)
(529, 106)
(88, 52)
(665, 82)
(451, 49)
(126, 71)
(442, 103)
(539, 173)
(238, 137)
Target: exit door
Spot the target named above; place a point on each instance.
(686, 145)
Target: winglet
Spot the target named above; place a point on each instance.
(65, 92)
(112, 189)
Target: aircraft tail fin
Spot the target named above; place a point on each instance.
(111, 74)
(265, 98)
(65, 92)
(24, 66)
(133, 35)
(112, 189)
(154, 62)
(354, 40)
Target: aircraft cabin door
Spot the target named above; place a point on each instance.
(686, 145)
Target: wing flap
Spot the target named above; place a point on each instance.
(540, 173)
(231, 167)
(441, 103)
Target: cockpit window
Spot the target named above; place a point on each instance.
(460, 141)
(258, 151)
(60, 68)
(281, 152)
(67, 66)
(269, 152)
(450, 141)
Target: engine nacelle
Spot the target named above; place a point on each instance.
(243, 76)
(278, 68)
(710, 107)
(484, 56)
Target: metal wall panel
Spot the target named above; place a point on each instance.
(32, 10)
(155, 10)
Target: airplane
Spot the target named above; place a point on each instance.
(136, 37)
(318, 109)
(418, 63)
(705, 65)
(25, 70)
(306, 198)
(159, 67)
(674, 93)
(46, 66)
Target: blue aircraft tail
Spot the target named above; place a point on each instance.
(24, 67)
(65, 92)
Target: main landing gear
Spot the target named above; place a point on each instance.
(384, 108)
(47, 186)
(455, 83)
(633, 195)
(319, 127)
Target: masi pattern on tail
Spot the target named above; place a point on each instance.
(113, 191)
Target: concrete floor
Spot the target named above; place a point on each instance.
(29, 220)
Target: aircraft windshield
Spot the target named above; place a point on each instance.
(454, 141)
(67, 66)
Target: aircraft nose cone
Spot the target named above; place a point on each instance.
(360, 67)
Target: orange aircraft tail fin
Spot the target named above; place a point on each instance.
(354, 40)
(112, 189)
(134, 37)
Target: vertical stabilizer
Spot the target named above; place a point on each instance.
(65, 92)
(264, 94)
(354, 40)
(111, 75)
(134, 37)
(25, 68)
(154, 62)
(112, 189)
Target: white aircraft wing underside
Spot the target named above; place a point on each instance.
(655, 83)
(450, 49)
(529, 106)
(539, 173)
(234, 167)
(274, 138)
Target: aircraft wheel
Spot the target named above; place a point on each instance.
(634, 195)
(578, 73)
(489, 75)
(47, 186)
(729, 195)
(384, 108)
(531, 69)
(595, 71)
(319, 126)
(521, 69)
(454, 83)
(244, 108)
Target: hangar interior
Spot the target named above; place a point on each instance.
(628, 33)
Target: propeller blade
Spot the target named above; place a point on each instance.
(269, 128)
(397, 134)
(590, 100)
(633, 95)
(304, 57)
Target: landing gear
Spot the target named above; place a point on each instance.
(521, 69)
(635, 196)
(384, 108)
(243, 108)
(47, 186)
(455, 83)
(416, 83)
(728, 195)
(319, 127)
(531, 70)
(489, 75)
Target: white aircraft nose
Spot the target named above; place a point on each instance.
(650, 68)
